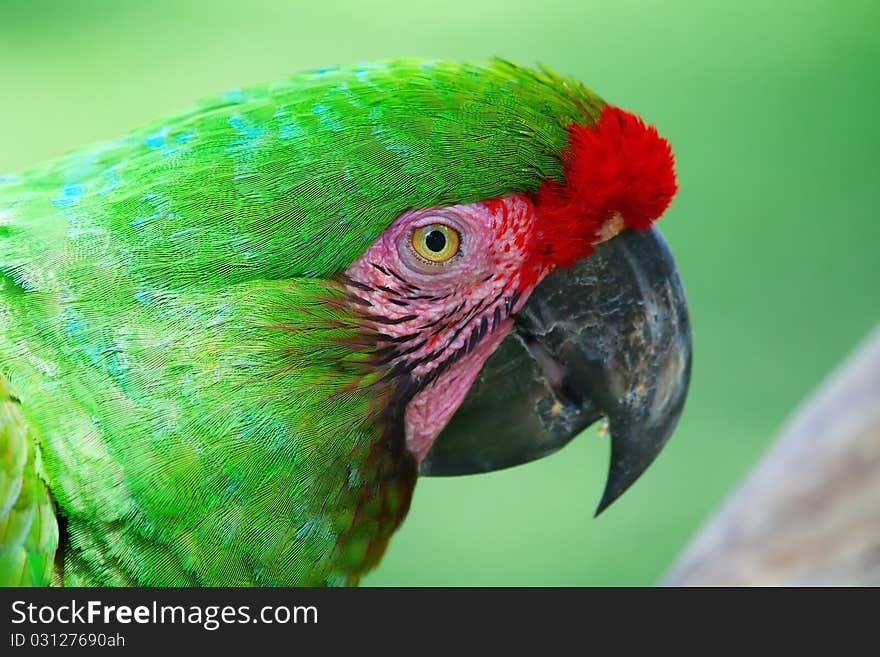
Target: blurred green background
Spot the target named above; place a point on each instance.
(773, 110)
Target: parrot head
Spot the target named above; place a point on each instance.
(576, 334)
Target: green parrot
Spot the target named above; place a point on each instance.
(231, 340)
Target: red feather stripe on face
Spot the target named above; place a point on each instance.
(616, 166)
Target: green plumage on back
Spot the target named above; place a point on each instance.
(28, 529)
(197, 408)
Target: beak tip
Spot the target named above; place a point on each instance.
(619, 481)
(604, 503)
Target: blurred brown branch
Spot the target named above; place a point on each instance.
(809, 512)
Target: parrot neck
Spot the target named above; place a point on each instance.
(251, 461)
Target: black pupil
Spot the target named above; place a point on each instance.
(435, 241)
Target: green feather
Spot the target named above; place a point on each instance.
(28, 528)
(203, 412)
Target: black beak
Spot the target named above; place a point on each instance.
(608, 337)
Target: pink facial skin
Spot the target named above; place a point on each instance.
(441, 321)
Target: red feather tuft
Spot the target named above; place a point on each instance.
(618, 165)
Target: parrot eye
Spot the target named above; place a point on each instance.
(436, 242)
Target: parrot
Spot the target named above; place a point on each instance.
(232, 340)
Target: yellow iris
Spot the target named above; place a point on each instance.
(436, 242)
